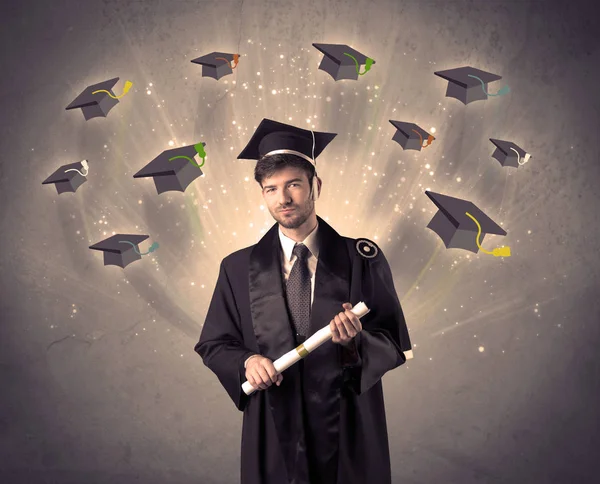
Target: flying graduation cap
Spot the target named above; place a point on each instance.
(217, 64)
(98, 99)
(175, 169)
(468, 84)
(68, 178)
(122, 249)
(410, 136)
(343, 62)
(509, 154)
(462, 225)
(272, 137)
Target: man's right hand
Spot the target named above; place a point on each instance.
(261, 373)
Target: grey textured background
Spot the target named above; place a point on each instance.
(99, 381)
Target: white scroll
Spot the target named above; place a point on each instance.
(305, 348)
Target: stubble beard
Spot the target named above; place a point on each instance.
(300, 215)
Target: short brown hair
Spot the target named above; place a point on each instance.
(268, 165)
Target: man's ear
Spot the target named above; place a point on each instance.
(319, 183)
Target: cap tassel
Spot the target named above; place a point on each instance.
(497, 252)
(314, 188)
(430, 138)
(236, 58)
(152, 248)
(126, 89)
(501, 92)
(368, 64)
(84, 165)
(527, 156)
(199, 147)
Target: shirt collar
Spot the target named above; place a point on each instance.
(311, 241)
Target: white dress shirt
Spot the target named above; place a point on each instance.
(288, 259)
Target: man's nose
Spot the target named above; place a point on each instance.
(284, 197)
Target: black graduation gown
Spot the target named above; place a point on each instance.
(325, 423)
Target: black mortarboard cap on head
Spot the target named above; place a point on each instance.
(343, 62)
(411, 136)
(94, 105)
(509, 154)
(468, 84)
(457, 229)
(173, 170)
(122, 249)
(217, 64)
(272, 137)
(68, 178)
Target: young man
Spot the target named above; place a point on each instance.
(322, 421)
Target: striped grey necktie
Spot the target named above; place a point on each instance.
(298, 290)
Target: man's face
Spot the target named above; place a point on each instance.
(288, 188)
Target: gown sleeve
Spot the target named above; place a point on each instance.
(384, 342)
(221, 344)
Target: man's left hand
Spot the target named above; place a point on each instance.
(345, 326)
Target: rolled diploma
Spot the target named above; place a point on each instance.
(311, 344)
